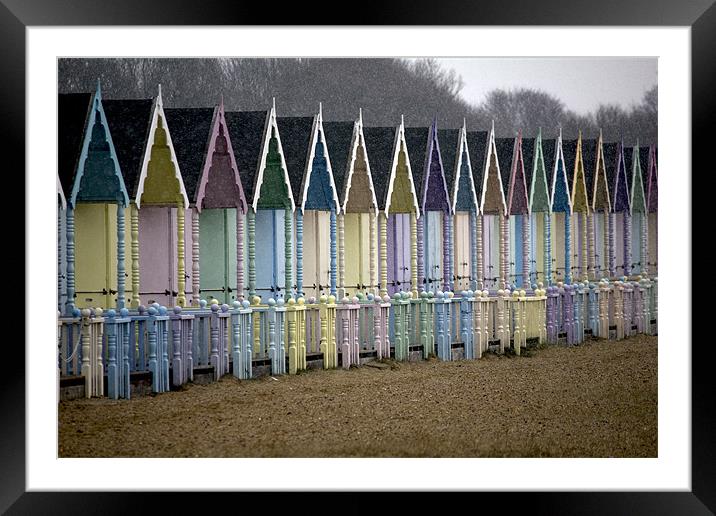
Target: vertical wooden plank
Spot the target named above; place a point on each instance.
(251, 219)
(333, 240)
(91, 255)
(288, 253)
(212, 255)
(383, 244)
(136, 296)
(310, 258)
(240, 216)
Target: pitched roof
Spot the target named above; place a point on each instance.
(528, 158)
(379, 142)
(449, 148)
(628, 164)
(569, 150)
(644, 161)
(477, 146)
(246, 129)
(72, 115)
(589, 159)
(191, 131)
(339, 136)
(295, 134)
(549, 153)
(505, 153)
(129, 122)
(416, 140)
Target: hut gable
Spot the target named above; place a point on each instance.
(493, 196)
(619, 183)
(88, 165)
(318, 191)
(129, 123)
(599, 187)
(652, 199)
(637, 202)
(579, 186)
(517, 203)
(350, 167)
(477, 142)
(424, 150)
(295, 134)
(458, 169)
(539, 189)
(560, 186)
(379, 144)
(206, 157)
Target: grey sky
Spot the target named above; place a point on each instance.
(582, 83)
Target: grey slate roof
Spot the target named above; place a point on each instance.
(569, 150)
(379, 142)
(611, 154)
(628, 163)
(505, 151)
(644, 161)
(246, 129)
(528, 157)
(129, 122)
(295, 141)
(589, 158)
(190, 129)
(449, 142)
(549, 153)
(339, 136)
(416, 139)
(72, 115)
(477, 147)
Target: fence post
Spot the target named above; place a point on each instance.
(466, 301)
(604, 294)
(655, 305)
(619, 309)
(112, 372)
(327, 315)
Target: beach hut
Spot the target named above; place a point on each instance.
(463, 198)
(541, 166)
(61, 246)
(638, 210)
(619, 226)
(561, 206)
(358, 215)
(580, 208)
(218, 207)
(518, 210)
(506, 151)
(477, 145)
(434, 226)
(399, 210)
(600, 204)
(96, 202)
(159, 204)
(260, 158)
(652, 206)
(309, 166)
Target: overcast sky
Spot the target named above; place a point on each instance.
(581, 83)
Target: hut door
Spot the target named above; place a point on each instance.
(95, 255)
(157, 255)
(653, 244)
(217, 254)
(316, 252)
(433, 250)
(636, 229)
(398, 252)
(462, 243)
(558, 249)
(357, 249)
(619, 243)
(270, 253)
(491, 250)
(600, 252)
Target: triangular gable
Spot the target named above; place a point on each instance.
(652, 195)
(61, 194)
(539, 191)
(493, 196)
(365, 180)
(319, 189)
(517, 203)
(230, 189)
(464, 193)
(561, 201)
(271, 159)
(620, 187)
(401, 183)
(163, 188)
(435, 192)
(637, 202)
(98, 176)
(579, 184)
(600, 191)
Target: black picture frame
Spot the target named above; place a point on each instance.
(16, 15)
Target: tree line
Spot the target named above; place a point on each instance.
(384, 88)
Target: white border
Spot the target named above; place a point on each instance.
(670, 471)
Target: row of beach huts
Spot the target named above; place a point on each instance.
(225, 215)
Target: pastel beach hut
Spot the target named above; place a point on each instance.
(580, 208)
(518, 210)
(399, 210)
(434, 226)
(600, 204)
(619, 230)
(159, 204)
(506, 153)
(652, 206)
(358, 216)
(309, 167)
(541, 165)
(218, 206)
(477, 144)
(493, 209)
(638, 210)
(267, 187)
(463, 198)
(95, 203)
(561, 207)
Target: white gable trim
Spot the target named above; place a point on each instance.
(271, 123)
(400, 140)
(462, 146)
(158, 111)
(559, 156)
(600, 165)
(63, 201)
(316, 130)
(635, 160)
(492, 149)
(359, 141)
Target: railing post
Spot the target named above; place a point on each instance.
(214, 339)
(466, 331)
(112, 372)
(619, 309)
(514, 303)
(604, 294)
(327, 315)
